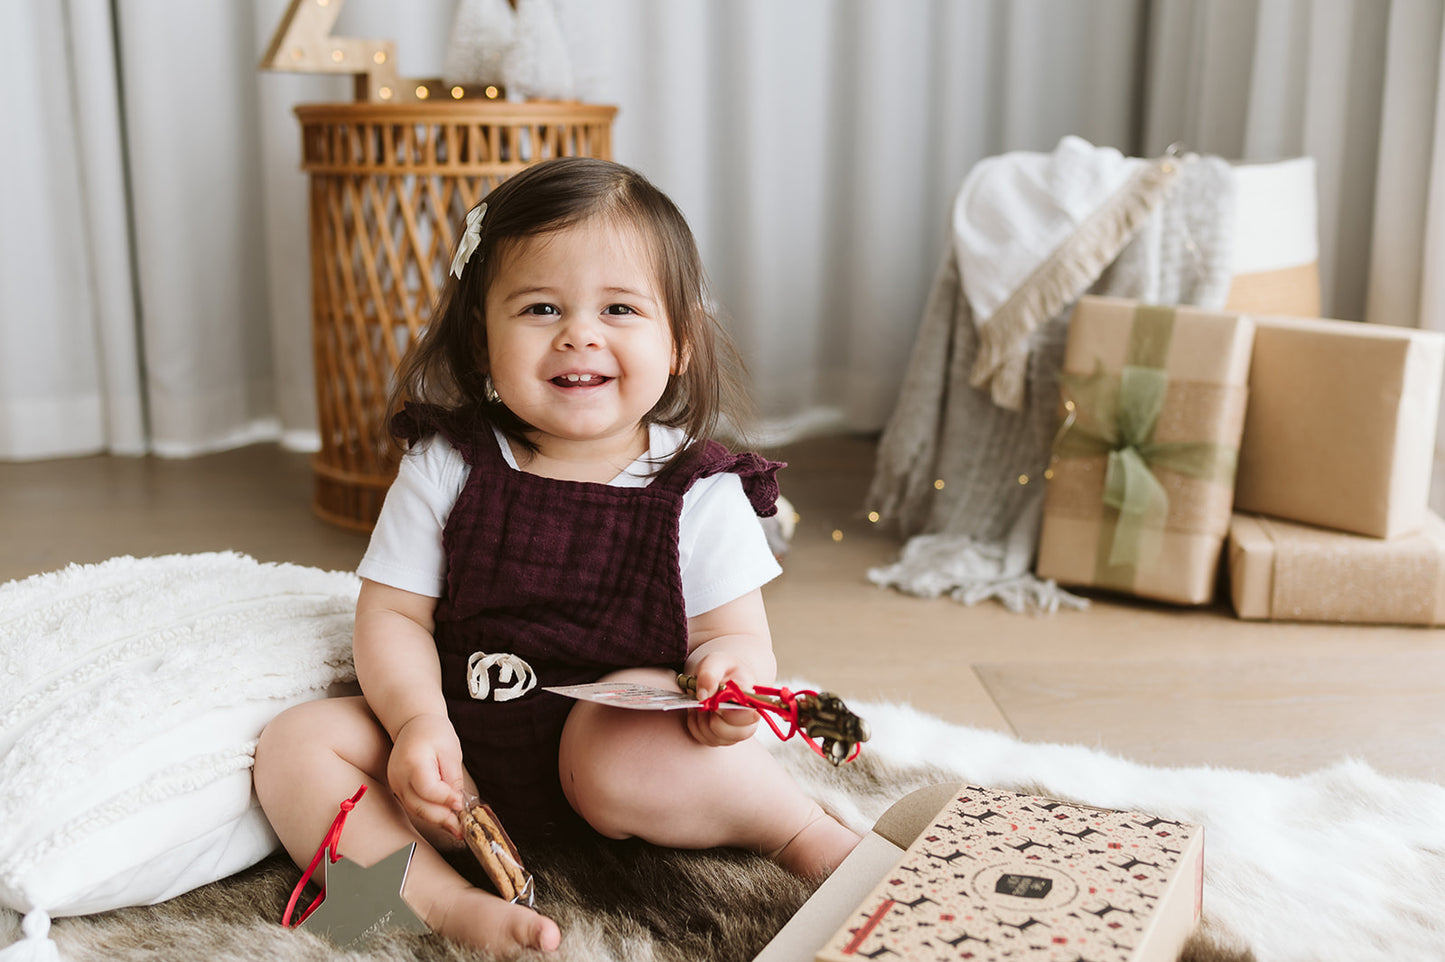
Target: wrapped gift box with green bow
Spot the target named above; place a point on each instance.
(1142, 480)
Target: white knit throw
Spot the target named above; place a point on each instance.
(974, 537)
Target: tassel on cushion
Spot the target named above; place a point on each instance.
(36, 946)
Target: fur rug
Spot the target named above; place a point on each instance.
(1340, 864)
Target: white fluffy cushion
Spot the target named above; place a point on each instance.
(131, 696)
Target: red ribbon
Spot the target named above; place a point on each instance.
(328, 844)
(729, 693)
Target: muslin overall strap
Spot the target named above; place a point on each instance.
(707, 458)
(574, 581)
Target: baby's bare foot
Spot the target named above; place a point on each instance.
(817, 848)
(482, 920)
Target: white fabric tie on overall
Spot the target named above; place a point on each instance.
(511, 671)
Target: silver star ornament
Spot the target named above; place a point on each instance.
(363, 900)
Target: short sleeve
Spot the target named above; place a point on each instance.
(406, 545)
(722, 549)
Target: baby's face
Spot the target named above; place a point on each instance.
(579, 344)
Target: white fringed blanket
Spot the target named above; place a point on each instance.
(1341, 864)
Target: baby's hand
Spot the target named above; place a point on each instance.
(425, 771)
(726, 726)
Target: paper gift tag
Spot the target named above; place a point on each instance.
(622, 694)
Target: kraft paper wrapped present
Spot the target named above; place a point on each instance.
(1141, 484)
(996, 875)
(1285, 571)
(1340, 431)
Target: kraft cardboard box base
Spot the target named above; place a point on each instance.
(956, 871)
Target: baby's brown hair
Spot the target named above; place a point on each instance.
(447, 366)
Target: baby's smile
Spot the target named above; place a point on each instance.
(580, 380)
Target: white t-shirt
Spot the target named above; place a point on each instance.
(721, 546)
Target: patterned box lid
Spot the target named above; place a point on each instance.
(998, 875)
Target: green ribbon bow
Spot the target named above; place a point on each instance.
(1115, 416)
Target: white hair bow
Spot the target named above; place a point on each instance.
(471, 237)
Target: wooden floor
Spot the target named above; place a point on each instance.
(1148, 682)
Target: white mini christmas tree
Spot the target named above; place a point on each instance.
(518, 46)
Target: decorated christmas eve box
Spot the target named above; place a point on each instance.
(976, 873)
(1285, 571)
(1340, 431)
(1142, 479)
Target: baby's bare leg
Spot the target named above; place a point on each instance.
(640, 773)
(312, 757)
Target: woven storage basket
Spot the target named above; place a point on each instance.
(390, 184)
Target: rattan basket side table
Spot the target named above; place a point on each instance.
(389, 185)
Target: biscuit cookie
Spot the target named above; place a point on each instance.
(492, 847)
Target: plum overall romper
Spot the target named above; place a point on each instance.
(575, 579)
